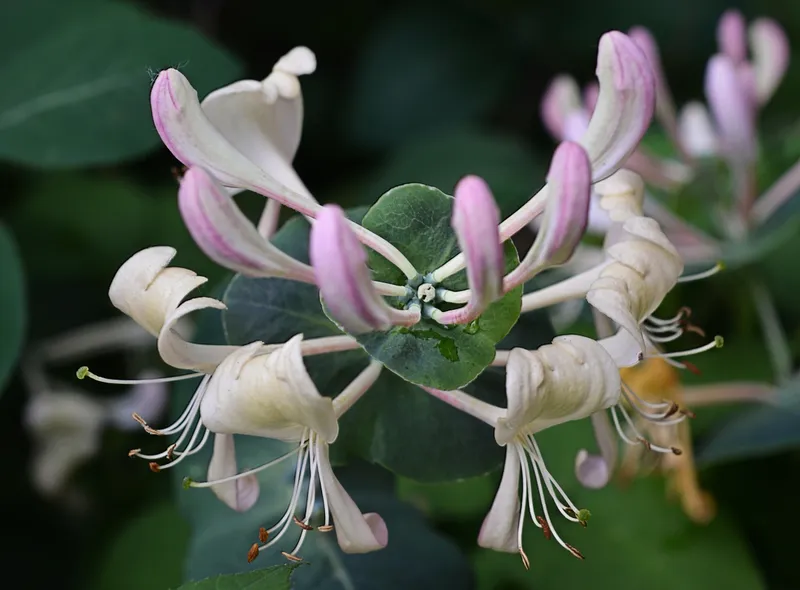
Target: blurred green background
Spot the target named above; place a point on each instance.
(404, 92)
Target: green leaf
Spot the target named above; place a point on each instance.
(421, 70)
(13, 311)
(277, 577)
(108, 219)
(80, 92)
(396, 424)
(157, 538)
(416, 219)
(635, 538)
(512, 170)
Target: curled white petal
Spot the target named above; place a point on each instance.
(499, 528)
(239, 494)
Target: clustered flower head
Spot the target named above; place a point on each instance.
(244, 137)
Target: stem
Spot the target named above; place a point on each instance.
(268, 223)
(468, 404)
(358, 387)
(774, 335)
(776, 195)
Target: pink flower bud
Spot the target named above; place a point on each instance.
(731, 105)
(731, 36)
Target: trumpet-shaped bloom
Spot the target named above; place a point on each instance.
(271, 395)
(567, 380)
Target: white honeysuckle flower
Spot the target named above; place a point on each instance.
(573, 378)
(270, 394)
(567, 380)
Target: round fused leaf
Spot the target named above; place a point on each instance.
(416, 219)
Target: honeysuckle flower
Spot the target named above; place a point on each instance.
(340, 266)
(640, 268)
(475, 220)
(732, 107)
(657, 381)
(271, 395)
(619, 119)
(570, 379)
(565, 217)
(226, 236)
(237, 151)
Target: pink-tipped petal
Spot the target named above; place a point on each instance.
(732, 36)
(475, 220)
(355, 532)
(590, 93)
(625, 104)
(226, 236)
(665, 106)
(240, 494)
(732, 108)
(770, 48)
(561, 99)
(194, 140)
(340, 266)
(566, 214)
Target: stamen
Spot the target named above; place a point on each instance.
(639, 438)
(719, 266)
(325, 528)
(545, 527)
(208, 484)
(263, 535)
(252, 553)
(291, 557)
(717, 343)
(525, 561)
(302, 525)
(525, 485)
(84, 372)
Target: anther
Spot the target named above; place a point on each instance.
(253, 553)
(548, 534)
(672, 409)
(154, 467)
(676, 451)
(574, 551)
(325, 528)
(646, 443)
(134, 452)
(525, 561)
(583, 516)
(171, 451)
(692, 368)
(688, 413)
(291, 557)
(303, 525)
(263, 535)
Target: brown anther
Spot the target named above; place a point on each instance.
(291, 557)
(672, 409)
(574, 551)
(134, 452)
(253, 553)
(525, 561)
(325, 528)
(676, 451)
(171, 451)
(688, 413)
(155, 467)
(303, 525)
(545, 528)
(695, 329)
(139, 419)
(685, 312)
(646, 443)
(263, 535)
